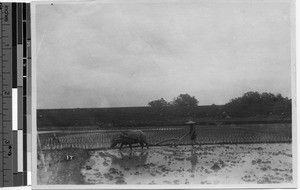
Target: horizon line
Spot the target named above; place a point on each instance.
(125, 107)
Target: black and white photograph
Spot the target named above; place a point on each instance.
(156, 93)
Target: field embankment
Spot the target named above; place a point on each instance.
(107, 118)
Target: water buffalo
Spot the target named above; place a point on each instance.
(129, 138)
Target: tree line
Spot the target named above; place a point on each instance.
(250, 104)
(182, 100)
(259, 104)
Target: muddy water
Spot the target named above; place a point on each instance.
(208, 164)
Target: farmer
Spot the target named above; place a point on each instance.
(192, 132)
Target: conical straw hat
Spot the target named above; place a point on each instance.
(190, 122)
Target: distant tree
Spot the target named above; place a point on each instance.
(214, 110)
(185, 100)
(279, 96)
(158, 103)
(256, 104)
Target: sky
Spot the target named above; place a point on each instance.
(128, 54)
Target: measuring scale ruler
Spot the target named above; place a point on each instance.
(15, 84)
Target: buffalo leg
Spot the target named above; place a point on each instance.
(121, 146)
(130, 146)
(142, 145)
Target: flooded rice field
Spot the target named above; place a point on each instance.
(264, 163)
(207, 134)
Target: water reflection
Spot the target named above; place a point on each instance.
(130, 159)
(194, 160)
